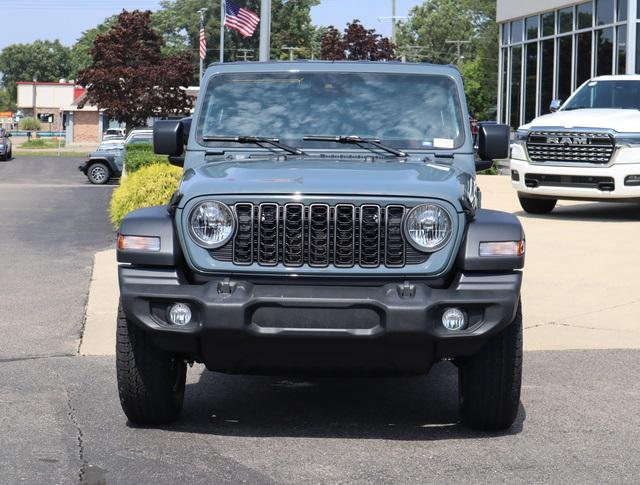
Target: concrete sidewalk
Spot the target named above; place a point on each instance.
(581, 288)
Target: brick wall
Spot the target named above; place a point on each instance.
(85, 127)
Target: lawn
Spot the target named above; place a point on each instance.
(43, 143)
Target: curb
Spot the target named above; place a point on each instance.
(99, 337)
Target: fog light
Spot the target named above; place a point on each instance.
(632, 180)
(180, 314)
(454, 319)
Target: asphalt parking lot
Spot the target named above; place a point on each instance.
(60, 420)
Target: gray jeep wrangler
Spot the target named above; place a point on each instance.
(327, 222)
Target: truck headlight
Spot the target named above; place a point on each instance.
(428, 227)
(519, 145)
(211, 224)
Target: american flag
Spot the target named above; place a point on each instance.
(203, 43)
(240, 19)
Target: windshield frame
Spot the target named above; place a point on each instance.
(460, 101)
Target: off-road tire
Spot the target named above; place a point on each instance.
(537, 206)
(489, 382)
(98, 173)
(150, 381)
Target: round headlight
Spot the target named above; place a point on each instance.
(428, 227)
(211, 224)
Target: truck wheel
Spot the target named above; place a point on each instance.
(489, 382)
(98, 174)
(150, 381)
(537, 206)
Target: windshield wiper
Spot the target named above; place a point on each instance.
(357, 140)
(257, 140)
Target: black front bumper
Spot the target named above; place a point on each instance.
(240, 326)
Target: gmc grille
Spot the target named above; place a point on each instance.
(565, 146)
(319, 235)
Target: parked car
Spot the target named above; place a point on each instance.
(587, 149)
(327, 222)
(114, 132)
(6, 152)
(107, 162)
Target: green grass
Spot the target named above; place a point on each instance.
(43, 143)
(49, 153)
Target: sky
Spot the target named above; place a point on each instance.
(24, 21)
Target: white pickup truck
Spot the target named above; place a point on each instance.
(587, 149)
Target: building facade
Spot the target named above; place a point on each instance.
(548, 48)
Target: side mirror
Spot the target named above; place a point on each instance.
(168, 137)
(555, 105)
(493, 144)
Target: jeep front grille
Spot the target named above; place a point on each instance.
(320, 235)
(566, 146)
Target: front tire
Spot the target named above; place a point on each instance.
(98, 174)
(537, 206)
(151, 381)
(489, 382)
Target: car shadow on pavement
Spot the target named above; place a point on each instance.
(591, 212)
(411, 408)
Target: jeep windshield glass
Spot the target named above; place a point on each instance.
(402, 111)
(606, 94)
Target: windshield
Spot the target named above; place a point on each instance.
(606, 94)
(402, 110)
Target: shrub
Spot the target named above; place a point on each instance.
(149, 186)
(29, 124)
(141, 155)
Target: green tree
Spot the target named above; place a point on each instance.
(425, 35)
(179, 23)
(6, 103)
(81, 50)
(48, 60)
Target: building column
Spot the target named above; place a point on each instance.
(632, 28)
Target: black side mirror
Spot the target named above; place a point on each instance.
(493, 144)
(168, 138)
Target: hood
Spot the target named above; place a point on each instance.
(620, 120)
(314, 176)
(106, 153)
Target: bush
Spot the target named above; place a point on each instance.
(29, 124)
(141, 155)
(149, 186)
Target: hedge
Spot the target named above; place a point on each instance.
(149, 186)
(141, 155)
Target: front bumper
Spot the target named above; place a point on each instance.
(579, 183)
(256, 327)
(83, 167)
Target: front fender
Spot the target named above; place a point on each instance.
(153, 222)
(490, 226)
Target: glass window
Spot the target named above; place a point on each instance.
(565, 53)
(531, 81)
(604, 12)
(622, 49)
(531, 26)
(583, 57)
(548, 24)
(607, 95)
(516, 73)
(585, 15)
(505, 85)
(516, 31)
(505, 34)
(565, 20)
(412, 110)
(622, 10)
(546, 76)
(604, 51)
(638, 50)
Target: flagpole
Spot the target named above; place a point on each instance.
(202, 11)
(265, 30)
(222, 9)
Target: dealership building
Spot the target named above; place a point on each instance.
(548, 48)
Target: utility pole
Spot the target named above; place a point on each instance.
(202, 11)
(393, 21)
(222, 15)
(265, 30)
(458, 44)
(245, 53)
(291, 50)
